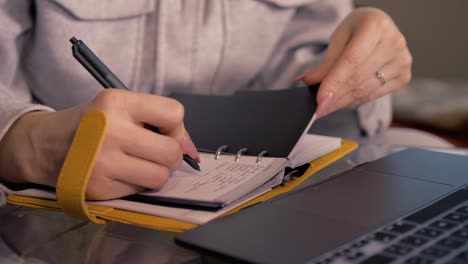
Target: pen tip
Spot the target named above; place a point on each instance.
(196, 167)
(73, 40)
(190, 161)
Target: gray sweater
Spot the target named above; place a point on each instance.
(163, 46)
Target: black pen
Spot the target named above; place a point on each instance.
(107, 78)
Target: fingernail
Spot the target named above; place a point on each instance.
(323, 105)
(300, 77)
(189, 148)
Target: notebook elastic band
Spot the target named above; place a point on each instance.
(78, 165)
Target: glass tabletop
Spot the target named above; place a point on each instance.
(39, 236)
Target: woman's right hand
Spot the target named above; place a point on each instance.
(131, 157)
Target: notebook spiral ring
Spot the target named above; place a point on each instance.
(219, 151)
(239, 153)
(288, 177)
(261, 155)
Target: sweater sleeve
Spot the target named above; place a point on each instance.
(15, 95)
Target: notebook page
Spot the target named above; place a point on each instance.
(311, 147)
(190, 215)
(222, 180)
(194, 216)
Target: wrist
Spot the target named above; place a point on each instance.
(35, 146)
(15, 152)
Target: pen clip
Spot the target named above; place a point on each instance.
(89, 67)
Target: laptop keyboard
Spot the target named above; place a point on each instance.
(437, 233)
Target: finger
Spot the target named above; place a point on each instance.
(353, 97)
(322, 108)
(398, 81)
(145, 144)
(187, 145)
(139, 172)
(367, 70)
(103, 183)
(327, 97)
(119, 175)
(164, 113)
(189, 148)
(391, 58)
(370, 89)
(337, 42)
(359, 88)
(167, 115)
(358, 50)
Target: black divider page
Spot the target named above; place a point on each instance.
(256, 120)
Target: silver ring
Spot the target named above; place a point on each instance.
(239, 153)
(219, 151)
(381, 77)
(261, 155)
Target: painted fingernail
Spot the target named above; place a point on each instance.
(324, 103)
(189, 148)
(300, 77)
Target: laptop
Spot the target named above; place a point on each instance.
(408, 207)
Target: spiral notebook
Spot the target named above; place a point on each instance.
(246, 141)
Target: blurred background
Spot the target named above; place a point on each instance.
(437, 33)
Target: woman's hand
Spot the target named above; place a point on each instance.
(131, 158)
(367, 58)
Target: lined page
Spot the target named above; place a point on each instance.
(221, 180)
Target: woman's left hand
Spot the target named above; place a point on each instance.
(367, 58)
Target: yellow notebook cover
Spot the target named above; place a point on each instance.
(73, 179)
